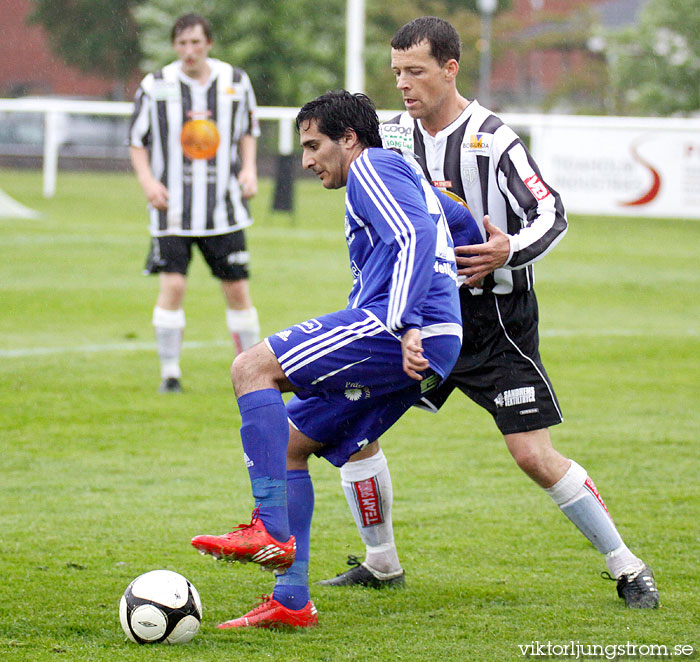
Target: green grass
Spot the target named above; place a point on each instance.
(103, 479)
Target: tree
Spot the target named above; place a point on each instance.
(294, 50)
(655, 65)
(291, 50)
(96, 37)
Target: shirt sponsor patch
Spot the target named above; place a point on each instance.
(164, 90)
(515, 396)
(397, 136)
(537, 188)
(478, 143)
(235, 92)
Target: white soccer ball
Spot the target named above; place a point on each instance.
(160, 606)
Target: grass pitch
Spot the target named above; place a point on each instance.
(103, 479)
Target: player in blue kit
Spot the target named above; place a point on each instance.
(356, 371)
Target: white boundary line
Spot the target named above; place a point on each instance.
(109, 347)
(196, 344)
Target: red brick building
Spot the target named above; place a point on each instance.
(28, 67)
(547, 58)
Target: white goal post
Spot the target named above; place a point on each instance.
(627, 166)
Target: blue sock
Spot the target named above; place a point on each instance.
(292, 588)
(265, 436)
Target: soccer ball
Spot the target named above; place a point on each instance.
(160, 606)
(199, 139)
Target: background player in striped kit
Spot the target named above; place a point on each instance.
(196, 192)
(355, 371)
(467, 150)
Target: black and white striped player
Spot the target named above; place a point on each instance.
(469, 152)
(192, 139)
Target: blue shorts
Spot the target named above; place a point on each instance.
(347, 371)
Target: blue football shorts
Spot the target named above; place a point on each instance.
(349, 382)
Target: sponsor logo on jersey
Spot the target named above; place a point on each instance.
(515, 396)
(235, 92)
(397, 136)
(478, 143)
(284, 334)
(310, 326)
(537, 188)
(367, 495)
(164, 90)
(200, 115)
(445, 268)
(442, 184)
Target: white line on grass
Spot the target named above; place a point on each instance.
(197, 344)
(108, 347)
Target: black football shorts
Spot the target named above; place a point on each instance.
(499, 366)
(225, 254)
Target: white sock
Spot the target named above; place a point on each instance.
(169, 326)
(577, 497)
(369, 493)
(622, 562)
(244, 327)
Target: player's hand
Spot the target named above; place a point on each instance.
(248, 181)
(483, 258)
(157, 194)
(412, 352)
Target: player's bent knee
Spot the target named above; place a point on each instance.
(257, 368)
(244, 370)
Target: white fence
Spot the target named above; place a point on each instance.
(600, 165)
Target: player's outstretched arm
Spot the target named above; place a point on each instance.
(483, 258)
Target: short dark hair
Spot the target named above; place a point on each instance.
(189, 21)
(337, 111)
(444, 40)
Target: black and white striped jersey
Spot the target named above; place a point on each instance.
(205, 198)
(485, 163)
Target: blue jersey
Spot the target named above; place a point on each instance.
(401, 251)
(346, 366)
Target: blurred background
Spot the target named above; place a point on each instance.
(603, 57)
